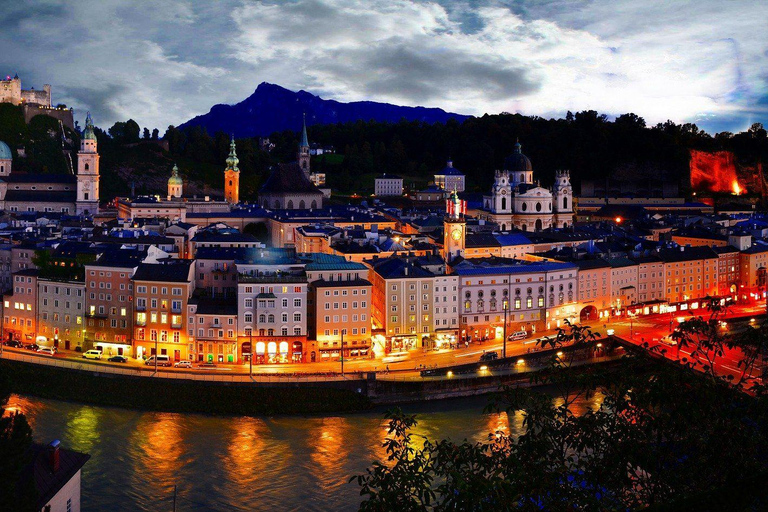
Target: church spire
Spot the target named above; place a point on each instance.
(88, 133)
(232, 175)
(304, 139)
(232, 159)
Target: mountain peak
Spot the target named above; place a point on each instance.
(273, 108)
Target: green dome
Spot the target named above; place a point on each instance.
(175, 179)
(5, 151)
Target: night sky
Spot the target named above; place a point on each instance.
(161, 63)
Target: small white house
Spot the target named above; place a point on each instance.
(389, 185)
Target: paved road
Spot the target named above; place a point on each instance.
(651, 329)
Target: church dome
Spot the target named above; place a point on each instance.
(5, 151)
(175, 179)
(517, 161)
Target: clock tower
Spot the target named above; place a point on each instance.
(454, 227)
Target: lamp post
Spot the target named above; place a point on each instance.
(155, 372)
(342, 351)
(505, 306)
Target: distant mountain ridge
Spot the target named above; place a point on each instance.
(274, 108)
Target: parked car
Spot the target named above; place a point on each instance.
(489, 356)
(32, 346)
(183, 364)
(118, 359)
(92, 354)
(13, 344)
(519, 335)
(207, 365)
(47, 350)
(161, 361)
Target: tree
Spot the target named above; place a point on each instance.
(663, 434)
(155, 134)
(131, 132)
(145, 135)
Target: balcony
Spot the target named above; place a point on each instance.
(96, 314)
(175, 325)
(140, 308)
(140, 323)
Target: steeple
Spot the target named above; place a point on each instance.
(232, 175)
(303, 156)
(304, 139)
(88, 133)
(175, 183)
(232, 159)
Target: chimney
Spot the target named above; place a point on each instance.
(53, 455)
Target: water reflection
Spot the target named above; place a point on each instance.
(225, 463)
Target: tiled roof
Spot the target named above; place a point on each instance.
(397, 268)
(289, 179)
(175, 272)
(42, 196)
(320, 261)
(40, 178)
(48, 483)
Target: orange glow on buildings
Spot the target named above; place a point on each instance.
(714, 172)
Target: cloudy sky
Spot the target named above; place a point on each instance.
(161, 63)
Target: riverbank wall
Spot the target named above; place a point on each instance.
(240, 394)
(186, 396)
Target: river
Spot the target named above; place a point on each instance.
(238, 463)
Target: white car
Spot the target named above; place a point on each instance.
(183, 364)
(47, 350)
(92, 354)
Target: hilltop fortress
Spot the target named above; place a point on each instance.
(33, 102)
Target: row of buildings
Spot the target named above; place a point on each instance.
(222, 295)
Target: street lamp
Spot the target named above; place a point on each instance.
(342, 351)
(505, 307)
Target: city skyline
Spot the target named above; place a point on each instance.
(682, 61)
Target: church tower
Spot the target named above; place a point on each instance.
(454, 228)
(88, 171)
(304, 149)
(175, 184)
(232, 176)
(562, 199)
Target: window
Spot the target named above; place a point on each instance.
(297, 317)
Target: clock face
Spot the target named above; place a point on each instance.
(503, 192)
(456, 234)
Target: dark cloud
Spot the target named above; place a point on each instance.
(423, 76)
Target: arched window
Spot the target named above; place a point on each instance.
(522, 178)
(538, 207)
(230, 183)
(290, 204)
(524, 227)
(271, 319)
(524, 207)
(301, 205)
(565, 203)
(87, 167)
(277, 204)
(538, 225)
(314, 204)
(503, 203)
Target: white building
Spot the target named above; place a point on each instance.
(538, 295)
(446, 306)
(56, 476)
(389, 185)
(516, 201)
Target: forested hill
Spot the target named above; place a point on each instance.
(273, 108)
(586, 143)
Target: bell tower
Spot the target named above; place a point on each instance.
(562, 199)
(303, 156)
(454, 228)
(232, 176)
(88, 171)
